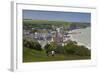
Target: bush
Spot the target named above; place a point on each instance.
(31, 44)
(36, 46)
(83, 51)
(70, 47)
(73, 49)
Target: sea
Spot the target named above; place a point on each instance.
(81, 36)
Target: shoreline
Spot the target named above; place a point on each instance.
(82, 36)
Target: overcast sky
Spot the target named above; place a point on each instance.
(57, 16)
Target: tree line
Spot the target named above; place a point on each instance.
(71, 48)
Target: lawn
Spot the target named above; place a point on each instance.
(31, 55)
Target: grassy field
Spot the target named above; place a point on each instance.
(30, 55)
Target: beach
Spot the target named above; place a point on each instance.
(82, 36)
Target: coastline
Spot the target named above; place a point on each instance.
(82, 36)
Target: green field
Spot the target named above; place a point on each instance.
(31, 55)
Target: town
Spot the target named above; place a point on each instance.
(44, 36)
(51, 40)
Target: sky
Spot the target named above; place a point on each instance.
(57, 16)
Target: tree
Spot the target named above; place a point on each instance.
(60, 50)
(47, 49)
(53, 46)
(70, 47)
(50, 47)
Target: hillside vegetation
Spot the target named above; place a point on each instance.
(48, 24)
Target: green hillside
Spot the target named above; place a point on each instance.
(31, 55)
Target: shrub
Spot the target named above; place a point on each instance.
(31, 44)
(74, 49)
(83, 51)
